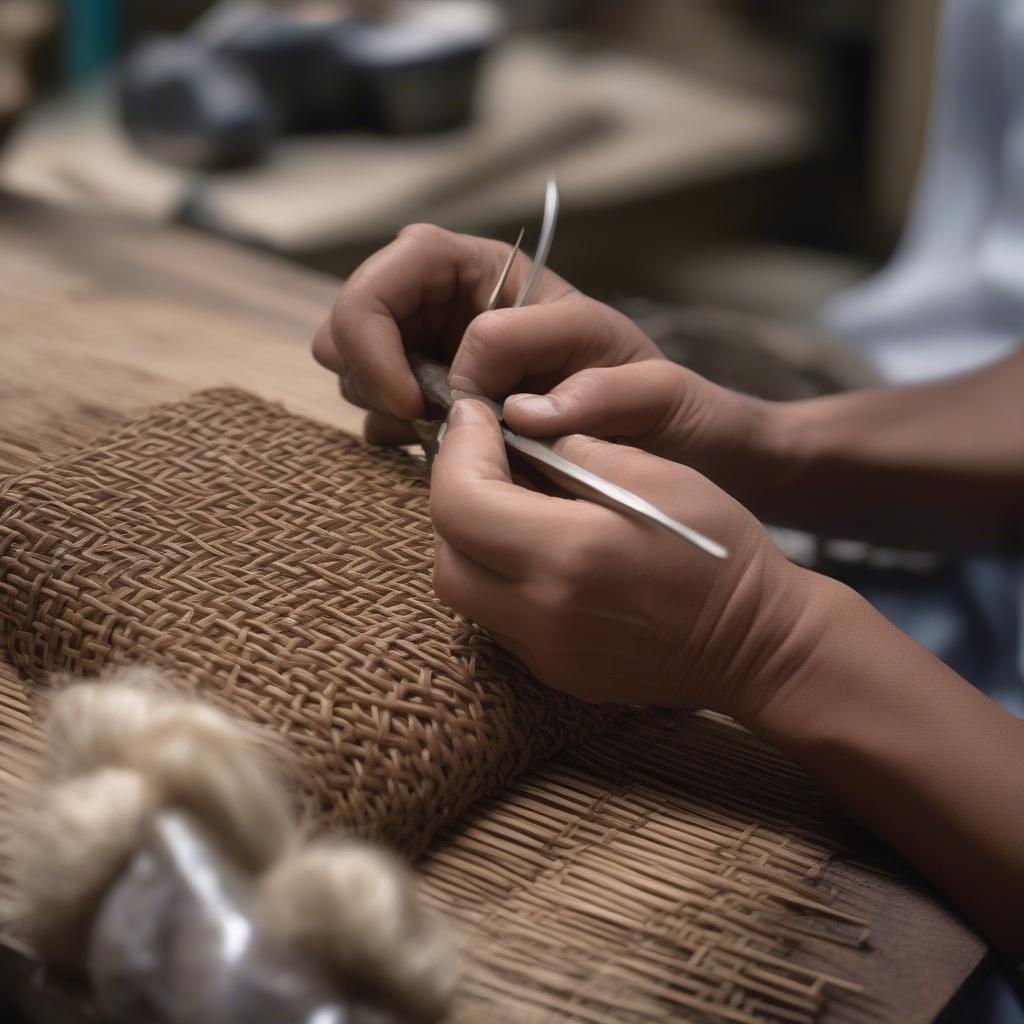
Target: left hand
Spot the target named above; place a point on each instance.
(607, 607)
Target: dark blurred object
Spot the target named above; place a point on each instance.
(220, 94)
(416, 78)
(303, 67)
(772, 360)
(22, 23)
(184, 104)
(27, 996)
(535, 15)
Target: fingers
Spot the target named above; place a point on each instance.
(477, 508)
(679, 491)
(482, 595)
(631, 401)
(370, 356)
(380, 428)
(544, 342)
(419, 291)
(416, 279)
(324, 351)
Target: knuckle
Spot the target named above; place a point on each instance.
(352, 391)
(338, 321)
(573, 566)
(423, 234)
(449, 586)
(553, 599)
(591, 381)
(594, 321)
(323, 348)
(486, 332)
(588, 389)
(487, 349)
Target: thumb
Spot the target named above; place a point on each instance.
(472, 448)
(677, 490)
(619, 401)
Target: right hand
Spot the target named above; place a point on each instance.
(608, 607)
(425, 291)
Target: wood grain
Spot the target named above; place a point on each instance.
(103, 313)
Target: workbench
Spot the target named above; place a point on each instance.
(102, 316)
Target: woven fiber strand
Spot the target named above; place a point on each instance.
(283, 569)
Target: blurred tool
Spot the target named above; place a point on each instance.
(541, 454)
(220, 94)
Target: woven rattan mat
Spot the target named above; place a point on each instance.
(284, 569)
(671, 867)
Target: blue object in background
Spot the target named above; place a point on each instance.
(90, 37)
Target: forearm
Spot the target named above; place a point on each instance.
(938, 464)
(925, 760)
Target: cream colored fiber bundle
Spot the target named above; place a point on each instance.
(120, 750)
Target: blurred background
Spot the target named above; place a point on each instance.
(750, 156)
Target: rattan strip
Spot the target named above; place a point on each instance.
(283, 569)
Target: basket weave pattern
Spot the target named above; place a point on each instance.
(281, 568)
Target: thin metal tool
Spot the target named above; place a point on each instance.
(492, 302)
(547, 236)
(433, 379)
(542, 456)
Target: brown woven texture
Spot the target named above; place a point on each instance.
(283, 569)
(37, 425)
(670, 867)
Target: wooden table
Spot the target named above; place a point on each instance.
(102, 317)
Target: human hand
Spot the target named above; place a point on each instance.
(601, 605)
(425, 292)
(667, 410)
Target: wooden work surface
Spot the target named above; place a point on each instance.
(101, 318)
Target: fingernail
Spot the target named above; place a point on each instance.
(536, 405)
(459, 383)
(456, 413)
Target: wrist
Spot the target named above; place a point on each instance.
(748, 446)
(782, 619)
(798, 668)
(782, 440)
